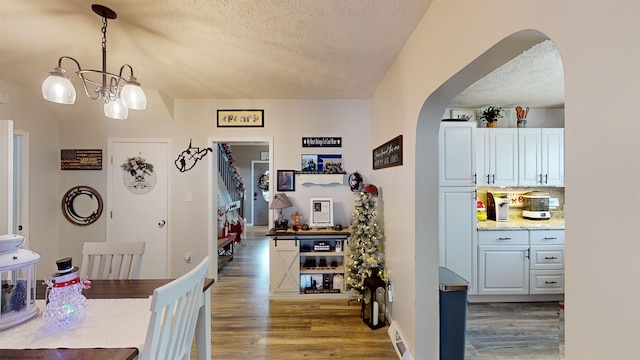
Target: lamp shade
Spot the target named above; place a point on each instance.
(116, 110)
(58, 88)
(280, 201)
(133, 97)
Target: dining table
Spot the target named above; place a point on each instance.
(118, 289)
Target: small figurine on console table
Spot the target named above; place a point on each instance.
(296, 217)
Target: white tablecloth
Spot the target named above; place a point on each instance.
(108, 323)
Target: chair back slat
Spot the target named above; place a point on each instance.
(112, 260)
(174, 313)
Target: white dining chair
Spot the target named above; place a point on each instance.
(112, 260)
(174, 313)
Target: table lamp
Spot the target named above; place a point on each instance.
(280, 201)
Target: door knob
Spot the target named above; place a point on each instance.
(162, 223)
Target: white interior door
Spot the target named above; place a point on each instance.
(138, 205)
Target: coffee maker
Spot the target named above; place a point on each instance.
(498, 206)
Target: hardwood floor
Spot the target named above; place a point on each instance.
(246, 325)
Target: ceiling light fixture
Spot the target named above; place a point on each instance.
(119, 94)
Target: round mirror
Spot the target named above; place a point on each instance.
(82, 205)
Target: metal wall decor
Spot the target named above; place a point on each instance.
(138, 175)
(82, 205)
(188, 158)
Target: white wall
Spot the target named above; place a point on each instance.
(285, 120)
(35, 117)
(601, 323)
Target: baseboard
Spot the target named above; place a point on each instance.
(398, 343)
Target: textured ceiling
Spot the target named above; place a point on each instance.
(234, 49)
(535, 79)
(244, 49)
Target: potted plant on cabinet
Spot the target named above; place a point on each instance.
(491, 116)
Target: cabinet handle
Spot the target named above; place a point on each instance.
(504, 238)
(546, 178)
(540, 176)
(488, 182)
(550, 282)
(475, 178)
(550, 238)
(528, 253)
(550, 257)
(493, 178)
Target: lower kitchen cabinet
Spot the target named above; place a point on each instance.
(520, 262)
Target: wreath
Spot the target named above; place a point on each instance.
(263, 182)
(136, 163)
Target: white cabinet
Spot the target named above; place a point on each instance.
(547, 262)
(497, 156)
(457, 232)
(457, 154)
(541, 156)
(503, 264)
(521, 262)
(284, 269)
(305, 263)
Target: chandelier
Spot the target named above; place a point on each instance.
(118, 93)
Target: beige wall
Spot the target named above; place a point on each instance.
(83, 126)
(601, 72)
(43, 129)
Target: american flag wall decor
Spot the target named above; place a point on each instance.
(81, 159)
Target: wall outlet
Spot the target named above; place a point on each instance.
(187, 257)
(189, 197)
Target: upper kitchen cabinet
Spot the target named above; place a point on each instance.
(457, 162)
(541, 156)
(497, 156)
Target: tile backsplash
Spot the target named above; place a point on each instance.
(515, 194)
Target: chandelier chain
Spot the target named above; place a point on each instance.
(104, 33)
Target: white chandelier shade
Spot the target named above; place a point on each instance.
(58, 88)
(118, 93)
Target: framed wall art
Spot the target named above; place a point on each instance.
(240, 118)
(286, 180)
(388, 154)
(463, 115)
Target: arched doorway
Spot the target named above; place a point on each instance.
(427, 191)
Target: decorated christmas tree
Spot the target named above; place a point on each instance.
(366, 258)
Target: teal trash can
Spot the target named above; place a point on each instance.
(453, 315)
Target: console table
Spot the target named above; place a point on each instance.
(306, 264)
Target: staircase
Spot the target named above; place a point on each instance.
(231, 177)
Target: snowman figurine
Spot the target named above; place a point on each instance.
(65, 303)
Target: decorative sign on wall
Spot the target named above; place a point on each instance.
(240, 118)
(138, 175)
(322, 163)
(188, 158)
(81, 159)
(388, 154)
(321, 142)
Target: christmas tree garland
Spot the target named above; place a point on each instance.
(366, 258)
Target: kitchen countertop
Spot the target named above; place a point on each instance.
(519, 223)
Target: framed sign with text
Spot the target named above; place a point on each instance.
(240, 118)
(388, 154)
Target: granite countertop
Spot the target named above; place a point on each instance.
(519, 223)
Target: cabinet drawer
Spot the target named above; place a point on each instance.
(546, 282)
(500, 237)
(547, 257)
(543, 237)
